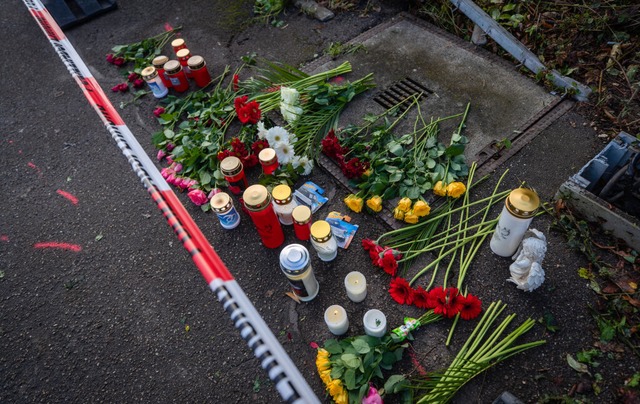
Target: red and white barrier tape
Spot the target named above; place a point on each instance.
(290, 384)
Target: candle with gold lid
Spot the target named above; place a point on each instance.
(323, 240)
(283, 203)
(268, 160)
(517, 213)
(257, 200)
(302, 222)
(222, 205)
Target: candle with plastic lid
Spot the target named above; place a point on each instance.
(518, 211)
(153, 80)
(268, 160)
(199, 70)
(257, 201)
(302, 222)
(323, 241)
(158, 62)
(177, 77)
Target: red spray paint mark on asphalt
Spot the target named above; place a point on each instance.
(56, 244)
(4, 238)
(69, 196)
(35, 167)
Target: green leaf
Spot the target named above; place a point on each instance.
(361, 346)
(396, 176)
(395, 149)
(332, 346)
(430, 163)
(351, 360)
(168, 133)
(394, 384)
(205, 177)
(577, 366)
(454, 150)
(350, 379)
(413, 193)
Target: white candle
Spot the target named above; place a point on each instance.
(356, 285)
(336, 318)
(375, 323)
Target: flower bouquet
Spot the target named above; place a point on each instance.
(348, 366)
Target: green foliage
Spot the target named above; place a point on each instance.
(143, 52)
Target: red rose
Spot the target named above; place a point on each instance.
(158, 111)
(133, 76)
(138, 83)
(236, 79)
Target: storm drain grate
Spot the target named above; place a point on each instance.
(400, 92)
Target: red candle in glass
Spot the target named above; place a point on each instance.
(268, 160)
(158, 62)
(233, 172)
(183, 56)
(257, 202)
(178, 44)
(302, 222)
(199, 70)
(178, 79)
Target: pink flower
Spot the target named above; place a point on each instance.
(138, 83)
(119, 61)
(161, 154)
(373, 397)
(177, 167)
(170, 146)
(171, 178)
(193, 184)
(169, 158)
(158, 111)
(133, 76)
(110, 58)
(165, 172)
(198, 197)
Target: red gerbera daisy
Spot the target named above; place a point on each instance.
(389, 263)
(420, 298)
(400, 291)
(447, 302)
(240, 101)
(374, 254)
(471, 307)
(368, 244)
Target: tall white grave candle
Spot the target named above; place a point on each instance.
(356, 285)
(336, 318)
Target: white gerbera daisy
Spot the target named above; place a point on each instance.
(277, 134)
(262, 131)
(284, 152)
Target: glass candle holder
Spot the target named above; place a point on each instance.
(268, 160)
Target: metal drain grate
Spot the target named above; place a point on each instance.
(400, 92)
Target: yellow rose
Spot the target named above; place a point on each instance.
(354, 203)
(398, 214)
(325, 375)
(342, 398)
(335, 387)
(421, 208)
(440, 188)
(404, 204)
(410, 217)
(323, 353)
(375, 203)
(456, 189)
(322, 364)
